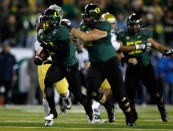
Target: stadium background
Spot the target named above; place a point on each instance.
(18, 19)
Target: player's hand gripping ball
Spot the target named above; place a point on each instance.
(40, 56)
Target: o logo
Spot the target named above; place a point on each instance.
(97, 10)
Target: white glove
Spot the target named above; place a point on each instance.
(144, 46)
(168, 52)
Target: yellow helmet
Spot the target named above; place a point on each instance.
(109, 18)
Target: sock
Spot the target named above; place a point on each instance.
(46, 107)
(68, 93)
(97, 107)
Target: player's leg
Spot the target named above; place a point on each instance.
(73, 78)
(114, 76)
(149, 80)
(131, 86)
(42, 69)
(62, 88)
(97, 107)
(94, 80)
(54, 74)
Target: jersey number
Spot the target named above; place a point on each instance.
(133, 44)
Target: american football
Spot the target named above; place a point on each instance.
(40, 56)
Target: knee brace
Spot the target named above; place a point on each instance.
(124, 104)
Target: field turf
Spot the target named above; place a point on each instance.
(30, 118)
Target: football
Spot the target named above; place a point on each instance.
(40, 56)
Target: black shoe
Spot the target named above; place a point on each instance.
(163, 113)
(130, 120)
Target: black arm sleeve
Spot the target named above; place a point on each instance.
(62, 48)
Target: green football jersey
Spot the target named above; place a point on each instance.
(52, 38)
(100, 50)
(128, 40)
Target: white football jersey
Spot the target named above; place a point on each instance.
(114, 42)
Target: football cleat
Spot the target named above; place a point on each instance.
(98, 119)
(48, 122)
(67, 103)
(130, 120)
(163, 113)
(91, 119)
(49, 117)
(52, 115)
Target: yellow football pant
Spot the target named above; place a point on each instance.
(61, 86)
(105, 85)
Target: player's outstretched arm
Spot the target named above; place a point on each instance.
(166, 51)
(89, 36)
(143, 46)
(157, 46)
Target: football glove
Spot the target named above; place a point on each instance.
(168, 52)
(144, 46)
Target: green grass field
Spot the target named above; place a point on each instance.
(30, 118)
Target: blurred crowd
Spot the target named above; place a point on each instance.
(19, 18)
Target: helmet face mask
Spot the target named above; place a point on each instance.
(49, 19)
(91, 15)
(134, 24)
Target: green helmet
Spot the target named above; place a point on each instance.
(134, 19)
(50, 18)
(133, 24)
(91, 10)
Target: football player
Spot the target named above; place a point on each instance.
(104, 63)
(62, 86)
(56, 39)
(43, 60)
(105, 86)
(139, 64)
